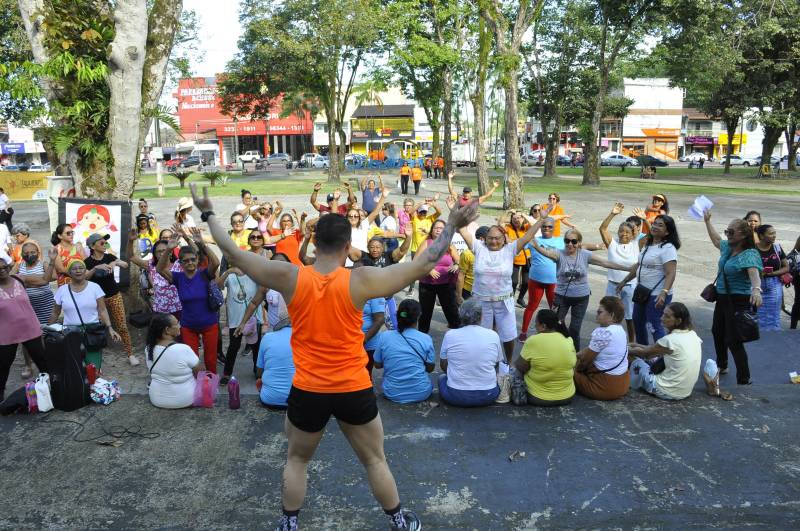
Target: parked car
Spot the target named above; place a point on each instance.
(563, 160)
(650, 160)
(738, 160)
(773, 160)
(37, 167)
(355, 159)
(532, 158)
(250, 156)
(173, 162)
(10, 167)
(278, 158)
(797, 160)
(696, 156)
(618, 160)
(188, 162)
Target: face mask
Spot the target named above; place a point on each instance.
(30, 259)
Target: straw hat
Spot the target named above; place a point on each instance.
(184, 203)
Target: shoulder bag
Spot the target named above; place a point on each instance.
(412, 348)
(745, 322)
(642, 294)
(95, 335)
(150, 370)
(214, 297)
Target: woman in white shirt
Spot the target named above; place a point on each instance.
(624, 251)
(359, 229)
(247, 208)
(469, 358)
(172, 365)
(655, 274)
(681, 351)
(602, 369)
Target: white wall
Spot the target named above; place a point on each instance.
(652, 94)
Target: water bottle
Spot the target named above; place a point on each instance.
(233, 393)
(91, 373)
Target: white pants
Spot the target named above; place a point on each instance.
(500, 316)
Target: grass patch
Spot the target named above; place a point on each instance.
(267, 189)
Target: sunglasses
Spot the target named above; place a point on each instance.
(729, 232)
(547, 227)
(68, 233)
(256, 237)
(354, 217)
(573, 241)
(537, 209)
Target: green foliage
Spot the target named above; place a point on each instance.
(181, 175)
(212, 175)
(21, 99)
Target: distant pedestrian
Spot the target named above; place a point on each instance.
(405, 175)
(416, 178)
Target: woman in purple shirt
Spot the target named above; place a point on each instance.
(197, 318)
(440, 282)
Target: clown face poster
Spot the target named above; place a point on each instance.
(104, 217)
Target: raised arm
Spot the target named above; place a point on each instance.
(253, 305)
(604, 233)
(712, 232)
(382, 282)
(489, 194)
(602, 262)
(640, 213)
(363, 183)
(313, 200)
(134, 256)
(351, 197)
(213, 261)
(280, 276)
(450, 184)
(401, 251)
(163, 265)
(530, 233)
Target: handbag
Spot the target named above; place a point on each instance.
(95, 335)
(642, 294)
(43, 397)
(709, 293)
(215, 298)
(745, 322)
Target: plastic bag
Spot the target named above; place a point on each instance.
(104, 392)
(205, 392)
(43, 397)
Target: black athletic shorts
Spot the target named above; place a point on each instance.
(310, 412)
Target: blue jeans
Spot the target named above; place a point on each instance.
(642, 378)
(648, 316)
(461, 398)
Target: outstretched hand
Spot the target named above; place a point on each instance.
(617, 208)
(203, 203)
(461, 217)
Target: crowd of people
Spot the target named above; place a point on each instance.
(313, 301)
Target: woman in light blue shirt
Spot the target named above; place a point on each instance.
(275, 366)
(406, 356)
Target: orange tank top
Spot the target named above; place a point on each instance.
(66, 256)
(327, 341)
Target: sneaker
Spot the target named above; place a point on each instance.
(412, 522)
(134, 361)
(27, 372)
(287, 523)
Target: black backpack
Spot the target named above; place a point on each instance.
(68, 385)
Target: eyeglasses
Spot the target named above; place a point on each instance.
(536, 210)
(356, 216)
(68, 233)
(572, 241)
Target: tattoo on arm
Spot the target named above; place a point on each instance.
(440, 245)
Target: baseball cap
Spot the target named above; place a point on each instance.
(466, 190)
(94, 238)
(422, 208)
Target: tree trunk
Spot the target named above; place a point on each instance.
(479, 105)
(790, 133)
(513, 196)
(771, 136)
(447, 118)
(332, 178)
(591, 160)
(126, 67)
(437, 138)
(551, 139)
(730, 125)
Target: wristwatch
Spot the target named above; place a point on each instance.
(205, 215)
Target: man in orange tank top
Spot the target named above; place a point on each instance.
(325, 303)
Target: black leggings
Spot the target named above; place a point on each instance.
(416, 187)
(576, 306)
(447, 299)
(796, 305)
(404, 184)
(520, 277)
(725, 335)
(234, 343)
(8, 353)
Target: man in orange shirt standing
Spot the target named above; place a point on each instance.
(405, 173)
(428, 163)
(416, 177)
(325, 303)
(438, 168)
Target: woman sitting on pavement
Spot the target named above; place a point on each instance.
(681, 351)
(164, 298)
(20, 325)
(406, 356)
(100, 270)
(602, 369)
(625, 251)
(572, 274)
(548, 361)
(274, 365)
(83, 302)
(197, 319)
(172, 365)
(469, 358)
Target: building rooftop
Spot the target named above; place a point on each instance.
(374, 111)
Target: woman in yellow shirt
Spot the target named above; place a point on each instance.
(515, 229)
(548, 362)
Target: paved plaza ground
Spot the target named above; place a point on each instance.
(634, 463)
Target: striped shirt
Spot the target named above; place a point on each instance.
(41, 297)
